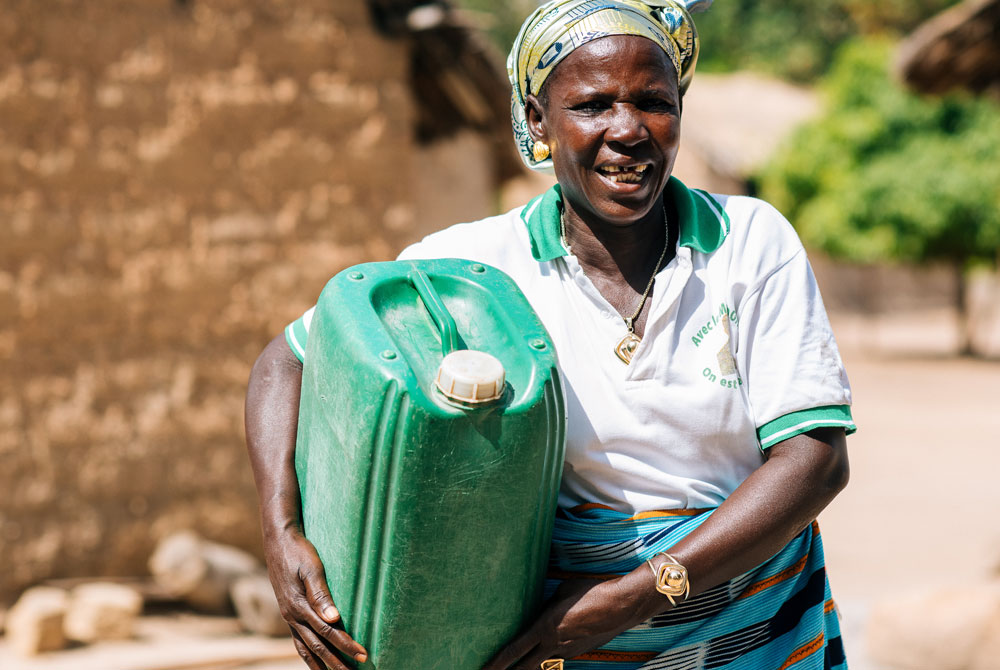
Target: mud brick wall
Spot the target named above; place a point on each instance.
(178, 179)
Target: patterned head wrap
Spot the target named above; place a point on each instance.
(559, 27)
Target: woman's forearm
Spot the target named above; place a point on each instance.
(773, 505)
(296, 572)
(272, 410)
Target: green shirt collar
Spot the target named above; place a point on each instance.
(704, 224)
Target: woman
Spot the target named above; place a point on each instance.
(707, 402)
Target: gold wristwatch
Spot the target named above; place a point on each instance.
(671, 578)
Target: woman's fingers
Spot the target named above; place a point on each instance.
(318, 648)
(581, 615)
(304, 653)
(332, 636)
(317, 593)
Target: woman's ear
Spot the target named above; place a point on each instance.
(535, 114)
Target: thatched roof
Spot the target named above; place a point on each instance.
(958, 48)
(458, 79)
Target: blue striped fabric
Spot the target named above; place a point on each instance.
(775, 617)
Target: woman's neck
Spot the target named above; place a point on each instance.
(628, 252)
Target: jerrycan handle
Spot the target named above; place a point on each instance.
(443, 319)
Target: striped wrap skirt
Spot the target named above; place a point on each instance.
(778, 616)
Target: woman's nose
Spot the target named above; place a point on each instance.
(626, 126)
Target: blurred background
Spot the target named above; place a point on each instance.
(179, 179)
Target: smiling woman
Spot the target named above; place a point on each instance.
(707, 403)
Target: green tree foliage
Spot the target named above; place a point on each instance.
(796, 39)
(888, 175)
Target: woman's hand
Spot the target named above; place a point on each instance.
(582, 615)
(299, 583)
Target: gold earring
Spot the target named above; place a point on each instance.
(540, 150)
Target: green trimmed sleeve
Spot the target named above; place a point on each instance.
(297, 334)
(803, 421)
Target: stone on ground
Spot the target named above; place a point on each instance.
(35, 623)
(256, 606)
(200, 572)
(102, 611)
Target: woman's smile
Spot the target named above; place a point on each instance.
(624, 174)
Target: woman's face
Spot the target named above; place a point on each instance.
(612, 119)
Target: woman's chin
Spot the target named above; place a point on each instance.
(624, 201)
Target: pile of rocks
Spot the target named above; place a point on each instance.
(47, 618)
(217, 579)
(208, 577)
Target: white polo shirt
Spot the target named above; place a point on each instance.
(737, 353)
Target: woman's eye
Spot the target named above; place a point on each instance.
(656, 104)
(590, 106)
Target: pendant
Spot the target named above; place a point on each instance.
(626, 348)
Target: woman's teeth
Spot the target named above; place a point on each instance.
(623, 175)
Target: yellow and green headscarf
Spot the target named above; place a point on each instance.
(559, 27)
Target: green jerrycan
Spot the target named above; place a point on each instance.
(429, 454)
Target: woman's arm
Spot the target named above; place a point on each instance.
(296, 572)
(801, 476)
(773, 505)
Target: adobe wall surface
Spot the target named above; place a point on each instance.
(177, 181)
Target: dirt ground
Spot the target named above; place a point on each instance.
(923, 490)
(924, 467)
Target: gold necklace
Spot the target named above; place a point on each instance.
(628, 344)
(625, 349)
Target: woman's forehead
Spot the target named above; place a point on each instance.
(616, 60)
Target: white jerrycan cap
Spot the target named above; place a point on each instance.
(472, 377)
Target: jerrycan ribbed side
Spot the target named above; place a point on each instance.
(433, 517)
